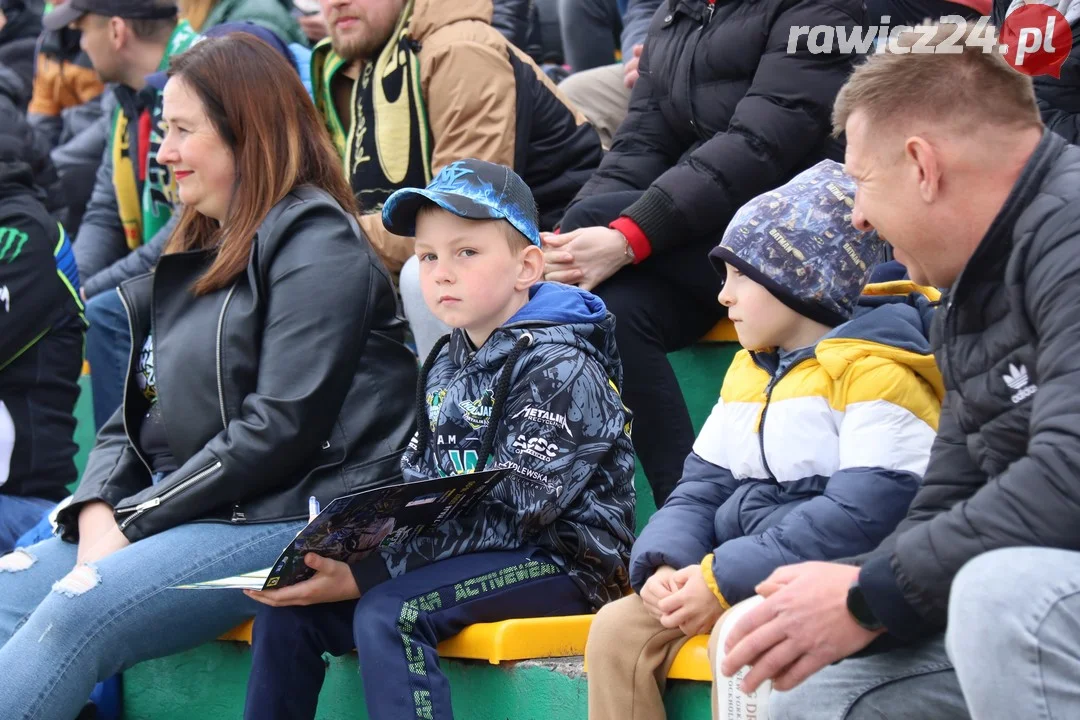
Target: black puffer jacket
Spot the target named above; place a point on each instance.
(18, 43)
(30, 148)
(722, 112)
(291, 382)
(1005, 467)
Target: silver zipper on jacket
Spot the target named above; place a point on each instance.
(141, 508)
(217, 357)
(127, 377)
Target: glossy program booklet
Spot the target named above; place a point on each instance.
(355, 525)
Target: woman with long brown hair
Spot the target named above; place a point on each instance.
(268, 366)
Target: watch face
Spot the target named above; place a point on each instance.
(860, 609)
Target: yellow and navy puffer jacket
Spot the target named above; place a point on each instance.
(812, 456)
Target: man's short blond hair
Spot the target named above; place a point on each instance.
(964, 89)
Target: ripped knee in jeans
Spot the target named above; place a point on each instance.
(80, 580)
(17, 561)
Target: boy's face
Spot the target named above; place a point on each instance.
(470, 275)
(761, 321)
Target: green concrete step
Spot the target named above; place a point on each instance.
(210, 682)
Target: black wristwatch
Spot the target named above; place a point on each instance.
(860, 609)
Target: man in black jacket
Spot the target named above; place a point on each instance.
(978, 585)
(722, 111)
(41, 336)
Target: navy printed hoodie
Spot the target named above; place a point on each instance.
(547, 383)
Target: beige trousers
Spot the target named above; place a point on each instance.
(628, 656)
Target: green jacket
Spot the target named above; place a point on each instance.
(271, 14)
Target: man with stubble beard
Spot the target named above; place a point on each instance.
(410, 86)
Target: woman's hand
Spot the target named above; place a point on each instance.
(584, 257)
(99, 535)
(333, 582)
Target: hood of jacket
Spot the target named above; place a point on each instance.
(16, 177)
(22, 24)
(431, 15)
(892, 320)
(12, 86)
(555, 313)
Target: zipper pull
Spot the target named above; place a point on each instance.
(151, 503)
(709, 10)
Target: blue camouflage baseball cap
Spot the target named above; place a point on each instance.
(798, 242)
(472, 189)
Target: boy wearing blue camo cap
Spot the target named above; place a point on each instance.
(814, 449)
(527, 381)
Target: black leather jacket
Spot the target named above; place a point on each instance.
(293, 381)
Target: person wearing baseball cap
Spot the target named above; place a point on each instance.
(133, 195)
(527, 381)
(73, 10)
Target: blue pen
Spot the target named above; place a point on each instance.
(312, 508)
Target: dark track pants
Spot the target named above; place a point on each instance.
(396, 628)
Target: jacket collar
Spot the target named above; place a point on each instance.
(999, 239)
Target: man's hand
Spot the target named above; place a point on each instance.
(630, 68)
(99, 535)
(333, 582)
(585, 257)
(803, 626)
(314, 26)
(656, 588)
(693, 608)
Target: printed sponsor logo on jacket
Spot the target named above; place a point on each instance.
(478, 412)
(545, 417)
(537, 447)
(12, 241)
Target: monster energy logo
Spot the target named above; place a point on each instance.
(11, 243)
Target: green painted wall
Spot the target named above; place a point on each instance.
(84, 425)
(210, 682)
(700, 370)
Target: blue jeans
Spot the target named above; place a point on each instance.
(108, 347)
(1010, 651)
(910, 683)
(17, 515)
(590, 32)
(60, 634)
(1014, 633)
(396, 628)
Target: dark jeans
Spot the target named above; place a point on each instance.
(396, 628)
(664, 304)
(590, 32)
(19, 515)
(108, 345)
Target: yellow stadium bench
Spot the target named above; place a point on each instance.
(535, 638)
(692, 662)
(520, 639)
(722, 332)
(240, 633)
